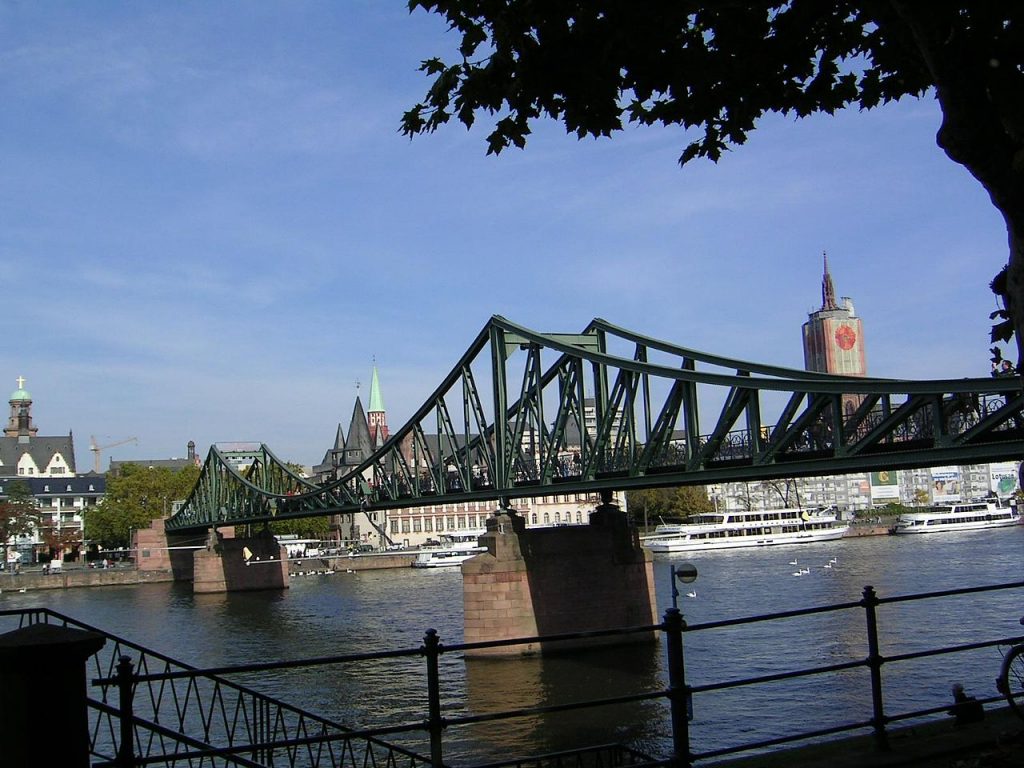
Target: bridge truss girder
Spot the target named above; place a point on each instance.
(608, 408)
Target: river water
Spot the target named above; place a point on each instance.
(383, 610)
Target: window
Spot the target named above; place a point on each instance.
(462, 522)
(405, 525)
(547, 519)
(558, 517)
(428, 524)
(440, 524)
(394, 526)
(21, 470)
(533, 518)
(417, 525)
(451, 522)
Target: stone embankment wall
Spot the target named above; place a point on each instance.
(868, 529)
(82, 577)
(312, 566)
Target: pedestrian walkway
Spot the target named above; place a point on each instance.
(996, 742)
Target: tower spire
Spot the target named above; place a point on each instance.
(828, 292)
(376, 400)
(376, 417)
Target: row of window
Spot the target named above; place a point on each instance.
(568, 498)
(462, 522)
(53, 471)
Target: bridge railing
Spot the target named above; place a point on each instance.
(152, 710)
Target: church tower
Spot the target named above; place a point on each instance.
(834, 338)
(376, 418)
(19, 424)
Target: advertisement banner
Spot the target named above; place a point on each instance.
(945, 484)
(1003, 478)
(885, 485)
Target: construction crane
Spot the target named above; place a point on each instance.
(96, 449)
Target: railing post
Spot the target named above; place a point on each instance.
(126, 751)
(875, 661)
(435, 723)
(678, 691)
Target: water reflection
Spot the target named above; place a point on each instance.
(494, 685)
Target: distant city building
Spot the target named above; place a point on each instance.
(174, 464)
(46, 465)
(23, 453)
(834, 339)
(60, 502)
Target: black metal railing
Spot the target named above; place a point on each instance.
(874, 662)
(152, 710)
(166, 712)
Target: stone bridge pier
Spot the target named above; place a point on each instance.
(230, 564)
(547, 581)
(216, 562)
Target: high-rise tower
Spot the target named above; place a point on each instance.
(834, 338)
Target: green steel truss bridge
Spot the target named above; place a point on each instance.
(524, 413)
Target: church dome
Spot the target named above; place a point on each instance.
(20, 393)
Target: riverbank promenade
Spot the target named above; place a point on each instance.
(996, 742)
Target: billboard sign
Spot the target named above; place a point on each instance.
(946, 482)
(1003, 478)
(885, 485)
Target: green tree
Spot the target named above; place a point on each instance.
(648, 505)
(305, 527)
(19, 514)
(135, 496)
(718, 67)
(892, 509)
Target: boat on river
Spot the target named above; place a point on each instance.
(746, 528)
(969, 516)
(453, 550)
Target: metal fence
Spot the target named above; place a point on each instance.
(152, 710)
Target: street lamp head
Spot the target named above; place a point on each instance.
(686, 572)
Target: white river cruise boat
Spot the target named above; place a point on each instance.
(754, 528)
(970, 516)
(454, 550)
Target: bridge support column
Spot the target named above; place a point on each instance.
(157, 550)
(239, 565)
(557, 580)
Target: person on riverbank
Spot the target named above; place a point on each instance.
(966, 709)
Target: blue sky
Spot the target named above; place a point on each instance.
(210, 226)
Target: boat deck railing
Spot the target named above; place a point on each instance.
(152, 710)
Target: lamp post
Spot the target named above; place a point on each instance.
(686, 573)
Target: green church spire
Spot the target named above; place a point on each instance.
(376, 400)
